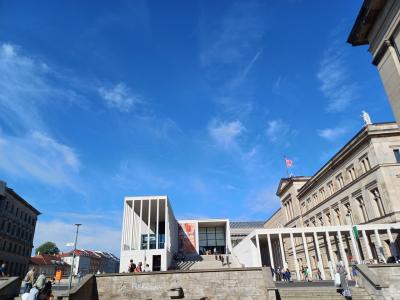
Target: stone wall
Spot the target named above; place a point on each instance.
(9, 287)
(249, 283)
(380, 281)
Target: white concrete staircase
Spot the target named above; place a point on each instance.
(204, 262)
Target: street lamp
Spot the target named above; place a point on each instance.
(73, 255)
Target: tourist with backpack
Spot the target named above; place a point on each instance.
(131, 267)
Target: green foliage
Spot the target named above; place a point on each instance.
(47, 248)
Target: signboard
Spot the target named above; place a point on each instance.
(58, 275)
(187, 237)
(355, 232)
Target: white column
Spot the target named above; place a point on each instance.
(271, 257)
(366, 243)
(318, 250)
(380, 248)
(167, 240)
(140, 224)
(130, 230)
(158, 221)
(355, 246)
(123, 229)
(343, 254)
(393, 248)
(296, 264)
(306, 251)
(148, 226)
(282, 251)
(258, 251)
(332, 258)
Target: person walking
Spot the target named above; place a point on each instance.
(344, 284)
(41, 281)
(30, 279)
(3, 270)
(319, 274)
(288, 275)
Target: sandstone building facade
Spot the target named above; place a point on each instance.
(359, 185)
(17, 228)
(378, 25)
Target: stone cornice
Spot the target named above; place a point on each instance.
(360, 139)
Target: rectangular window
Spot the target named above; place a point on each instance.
(330, 187)
(351, 172)
(365, 165)
(340, 181)
(397, 155)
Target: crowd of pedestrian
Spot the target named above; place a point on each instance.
(36, 287)
(281, 274)
(133, 268)
(223, 259)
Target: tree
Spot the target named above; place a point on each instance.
(47, 248)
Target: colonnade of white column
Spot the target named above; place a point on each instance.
(325, 233)
(133, 223)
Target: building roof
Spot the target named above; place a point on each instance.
(90, 253)
(245, 225)
(284, 182)
(18, 197)
(46, 260)
(366, 18)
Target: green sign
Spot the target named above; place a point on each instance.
(355, 232)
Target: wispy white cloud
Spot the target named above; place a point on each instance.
(277, 130)
(133, 176)
(120, 97)
(332, 134)
(23, 89)
(260, 203)
(334, 78)
(39, 156)
(225, 134)
(229, 50)
(27, 149)
(231, 41)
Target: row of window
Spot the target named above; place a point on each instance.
(17, 232)
(336, 185)
(346, 214)
(14, 248)
(14, 210)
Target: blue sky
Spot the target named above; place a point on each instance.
(199, 100)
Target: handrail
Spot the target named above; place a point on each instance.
(370, 276)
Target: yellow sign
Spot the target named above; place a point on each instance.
(58, 275)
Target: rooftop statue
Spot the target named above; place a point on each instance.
(366, 118)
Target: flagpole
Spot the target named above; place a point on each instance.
(287, 170)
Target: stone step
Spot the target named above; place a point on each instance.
(320, 293)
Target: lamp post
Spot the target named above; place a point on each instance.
(73, 256)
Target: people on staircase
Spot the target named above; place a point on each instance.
(344, 284)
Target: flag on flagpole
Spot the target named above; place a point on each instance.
(70, 244)
(288, 162)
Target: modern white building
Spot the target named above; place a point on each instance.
(152, 235)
